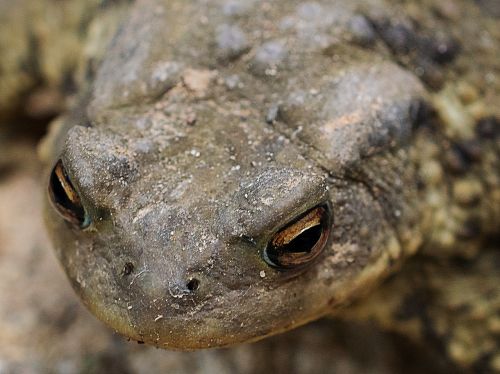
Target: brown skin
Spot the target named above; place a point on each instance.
(196, 145)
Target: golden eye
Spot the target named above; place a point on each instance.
(301, 241)
(65, 198)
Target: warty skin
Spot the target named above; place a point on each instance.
(191, 150)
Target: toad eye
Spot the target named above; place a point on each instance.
(301, 241)
(65, 198)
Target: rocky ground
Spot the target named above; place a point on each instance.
(45, 329)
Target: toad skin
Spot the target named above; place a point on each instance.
(211, 126)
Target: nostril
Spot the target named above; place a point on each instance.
(193, 284)
(128, 268)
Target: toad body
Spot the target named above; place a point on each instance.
(239, 168)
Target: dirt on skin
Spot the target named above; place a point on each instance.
(45, 329)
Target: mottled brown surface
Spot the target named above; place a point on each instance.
(447, 297)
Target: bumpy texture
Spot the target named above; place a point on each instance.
(211, 124)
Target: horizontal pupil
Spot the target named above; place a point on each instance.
(304, 242)
(294, 230)
(64, 196)
(65, 184)
(300, 241)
